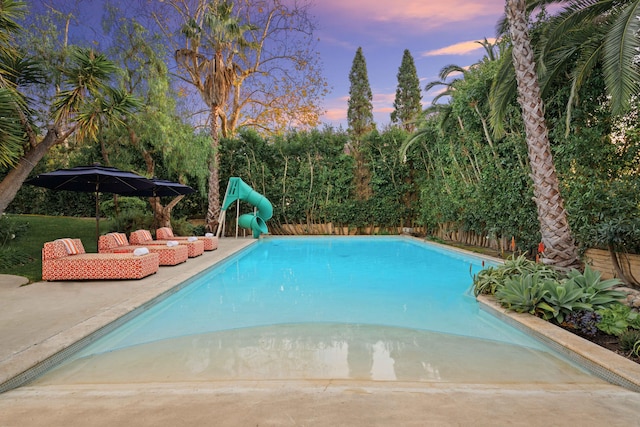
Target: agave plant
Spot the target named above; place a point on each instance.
(560, 299)
(489, 280)
(597, 292)
(523, 293)
(522, 266)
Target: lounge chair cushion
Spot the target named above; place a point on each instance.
(57, 264)
(108, 243)
(143, 237)
(164, 233)
(210, 241)
(70, 247)
(121, 239)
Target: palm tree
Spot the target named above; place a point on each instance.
(590, 33)
(560, 248)
(583, 36)
(219, 33)
(15, 68)
(82, 102)
(493, 52)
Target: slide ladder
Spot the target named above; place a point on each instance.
(237, 189)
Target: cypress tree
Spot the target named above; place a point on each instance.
(360, 111)
(360, 119)
(407, 106)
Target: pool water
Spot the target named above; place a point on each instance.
(380, 308)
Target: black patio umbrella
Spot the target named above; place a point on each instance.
(92, 179)
(162, 188)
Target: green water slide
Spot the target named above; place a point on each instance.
(240, 190)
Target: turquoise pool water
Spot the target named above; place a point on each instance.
(382, 308)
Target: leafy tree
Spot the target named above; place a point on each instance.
(156, 135)
(263, 56)
(278, 82)
(560, 249)
(281, 85)
(475, 99)
(77, 104)
(360, 119)
(407, 106)
(212, 36)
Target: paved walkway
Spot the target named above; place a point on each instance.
(41, 319)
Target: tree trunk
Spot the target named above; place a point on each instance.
(362, 176)
(560, 249)
(17, 176)
(162, 214)
(615, 261)
(213, 209)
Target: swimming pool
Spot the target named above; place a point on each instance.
(381, 308)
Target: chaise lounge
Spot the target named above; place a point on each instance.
(118, 243)
(66, 259)
(143, 237)
(165, 233)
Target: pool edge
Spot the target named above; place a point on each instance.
(29, 363)
(601, 362)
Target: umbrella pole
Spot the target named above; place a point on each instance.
(97, 218)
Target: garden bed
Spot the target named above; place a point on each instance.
(610, 342)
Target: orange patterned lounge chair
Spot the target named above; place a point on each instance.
(143, 237)
(118, 243)
(65, 259)
(165, 233)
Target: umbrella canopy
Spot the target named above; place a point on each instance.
(92, 179)
(162, 188)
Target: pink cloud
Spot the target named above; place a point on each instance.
(461, 48)
(420, 15)
(337, 111)
(335, 114)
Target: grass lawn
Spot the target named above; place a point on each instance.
(45, 229)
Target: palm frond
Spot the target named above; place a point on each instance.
(89, 70)
(575, 16)
(621, 48)
(419, 135)
(433, 84)
(11, 12)
(449, 69)
(12, 133)
(583, 68)
(442, 94)
(112, 108)
(502, 93)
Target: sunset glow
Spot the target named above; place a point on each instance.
(436, 33)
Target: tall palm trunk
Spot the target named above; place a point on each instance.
(213, 208)
(560, 249)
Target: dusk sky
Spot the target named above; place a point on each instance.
(436, 32)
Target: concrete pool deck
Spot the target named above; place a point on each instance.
(40, 320)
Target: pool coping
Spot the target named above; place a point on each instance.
(599, 361)
(35, 358)
(33, 361)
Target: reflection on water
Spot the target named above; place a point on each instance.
(321, 351)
